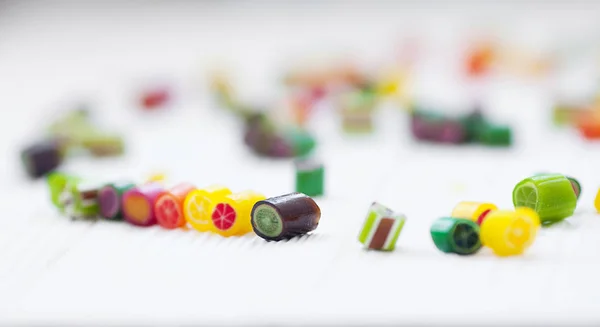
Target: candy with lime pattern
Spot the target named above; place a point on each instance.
(286, 216)
(456, 235)
(550, 195)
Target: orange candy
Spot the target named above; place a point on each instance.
(168, 207)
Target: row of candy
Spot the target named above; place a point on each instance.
(540, 199)
(211, 209)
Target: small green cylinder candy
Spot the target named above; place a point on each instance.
(495, 135)
(381, 229)
(552, 196)
(309, 177)
(456, 235)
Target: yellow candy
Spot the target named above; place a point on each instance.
(510, 232)
(231, 214)
(475, 211)
(597, 202)
(197, 205)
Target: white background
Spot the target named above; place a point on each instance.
(57, 271)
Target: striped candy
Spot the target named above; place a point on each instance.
(381, 228)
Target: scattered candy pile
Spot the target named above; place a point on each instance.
(539, 200)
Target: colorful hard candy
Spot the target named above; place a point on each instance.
(41, 158)
(310, 177)
(456, 235)
(475, 211)
(110, 199)
(510, 232)
(138, 204)
(381, 228)
(230, 215)
(285, 216)
(169, 206)
(551, 195)
(198, 203)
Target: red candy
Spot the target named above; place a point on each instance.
(155, 98)
(168, 207)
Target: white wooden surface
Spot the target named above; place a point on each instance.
(57, 271)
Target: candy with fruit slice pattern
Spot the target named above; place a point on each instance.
(285, 216)
(231, 214)
(197, 205)
(169, 206)
(138, 204)
(552, 196)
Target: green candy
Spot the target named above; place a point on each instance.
(309, 177)
(80, 199)
(302, 142)
(57, 182)
(456, 235)
(552, 196)
(495, 135)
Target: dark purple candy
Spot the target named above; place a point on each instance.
(41, 158)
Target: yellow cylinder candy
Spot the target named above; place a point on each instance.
(475, 211)
(510, 232)
(597, 202)
(230, 215)
(197, 205)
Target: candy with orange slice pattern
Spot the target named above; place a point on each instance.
(231, 214)
(510, 232)
(197, 204)
(169, 206)
(138, 204)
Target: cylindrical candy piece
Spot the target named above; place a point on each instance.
(283, 217)
(456, 235)
(79, 199)
(230, 215)
(475, 211)
(510, 232)
(495, 135)
(550, 195)
(57, 182)
(138, 204)
(309, 177)
(110, 199)
(41, 158)
(381, 228)
(197, 205)
(169, 206)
